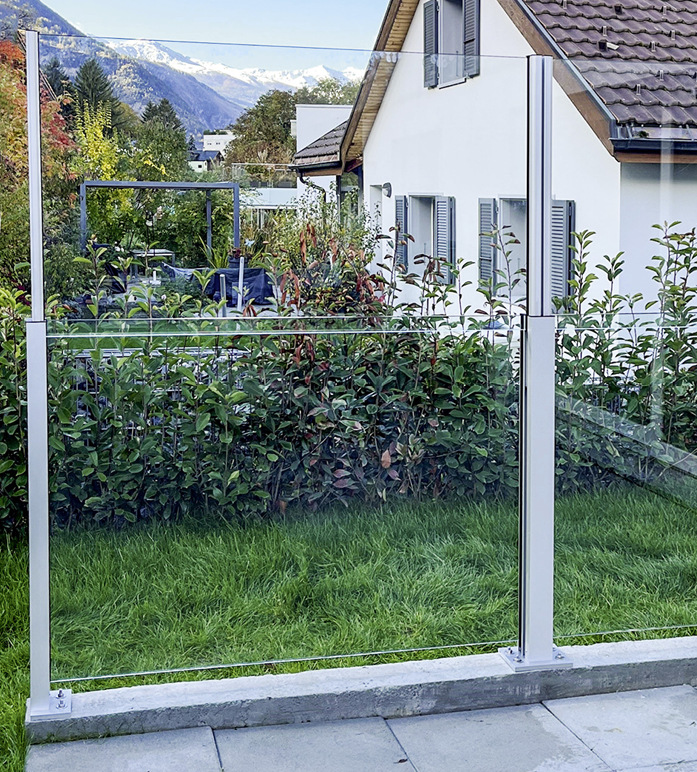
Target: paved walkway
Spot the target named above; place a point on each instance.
(654, 730)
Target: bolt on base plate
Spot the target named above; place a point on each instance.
(60, 703)
(515, 660)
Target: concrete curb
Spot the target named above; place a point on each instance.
(387, 691)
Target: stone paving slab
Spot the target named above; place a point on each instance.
(182, 750)
(519, 739)
(631, 730)
(358, 745)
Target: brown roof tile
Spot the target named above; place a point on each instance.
(619, 45)
(324, 150)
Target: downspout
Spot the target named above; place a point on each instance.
(314, 186)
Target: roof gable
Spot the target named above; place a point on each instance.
(630, 66)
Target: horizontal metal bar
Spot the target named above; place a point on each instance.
(137, 184)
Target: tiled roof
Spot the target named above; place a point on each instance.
(639, 56)
(325, 150)
(204, 155)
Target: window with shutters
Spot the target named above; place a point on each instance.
(451, 41)
(431, 224)
(507, 218)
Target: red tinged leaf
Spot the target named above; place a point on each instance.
(386, 460)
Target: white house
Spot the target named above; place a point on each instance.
(201, 161)
(438, 129)
(217, 140)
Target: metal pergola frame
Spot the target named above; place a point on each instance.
(148, 185)
(535, 649)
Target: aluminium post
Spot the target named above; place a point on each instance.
(240, 285)
(536, 648)
(236, 215)
(83, 216)
(42, 701)
(209, 225)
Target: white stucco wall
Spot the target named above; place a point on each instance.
(652, 195)
(469, 141)
(217, 141)
(312, 121)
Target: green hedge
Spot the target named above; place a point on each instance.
(251, 424)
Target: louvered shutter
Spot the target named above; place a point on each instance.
(487, 251)
(471, 8)
(563, 225)
(445, 236)
(401, 208)
(430, 43)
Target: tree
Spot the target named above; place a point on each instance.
(263, 131)
(328, 91)
(161, 148)
(63, 88)
(164, 113)
(57, 77)
(92, 88)
(58, 177)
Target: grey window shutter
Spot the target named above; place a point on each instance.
(430, 43)
(471, 38)
(445, 235)
(487, 251)
(563, 225)
(401, 208)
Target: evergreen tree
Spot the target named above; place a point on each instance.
(92, 89)
(62, 87)
(57, 78)
(164, 113)
(161, 147)
(191, 145)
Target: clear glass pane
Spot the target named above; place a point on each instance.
(626, 550)
(623, 153)
(301, 441)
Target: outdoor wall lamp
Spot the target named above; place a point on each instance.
(387, 189)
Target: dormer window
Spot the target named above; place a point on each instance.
(451, 41)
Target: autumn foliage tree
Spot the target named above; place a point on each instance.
(58, 178)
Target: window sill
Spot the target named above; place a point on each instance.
(453, 82)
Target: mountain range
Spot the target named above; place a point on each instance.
(206, 95)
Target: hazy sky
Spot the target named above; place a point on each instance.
(320, 23)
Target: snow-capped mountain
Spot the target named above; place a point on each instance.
(205, 95)
(241, 85)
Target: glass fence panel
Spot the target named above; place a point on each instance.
(626, 551)
(283, 375)
(623, 152)
(251, 497)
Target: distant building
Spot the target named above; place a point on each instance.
(218, 140)
(204, 160)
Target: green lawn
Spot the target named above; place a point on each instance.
(348, 581)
